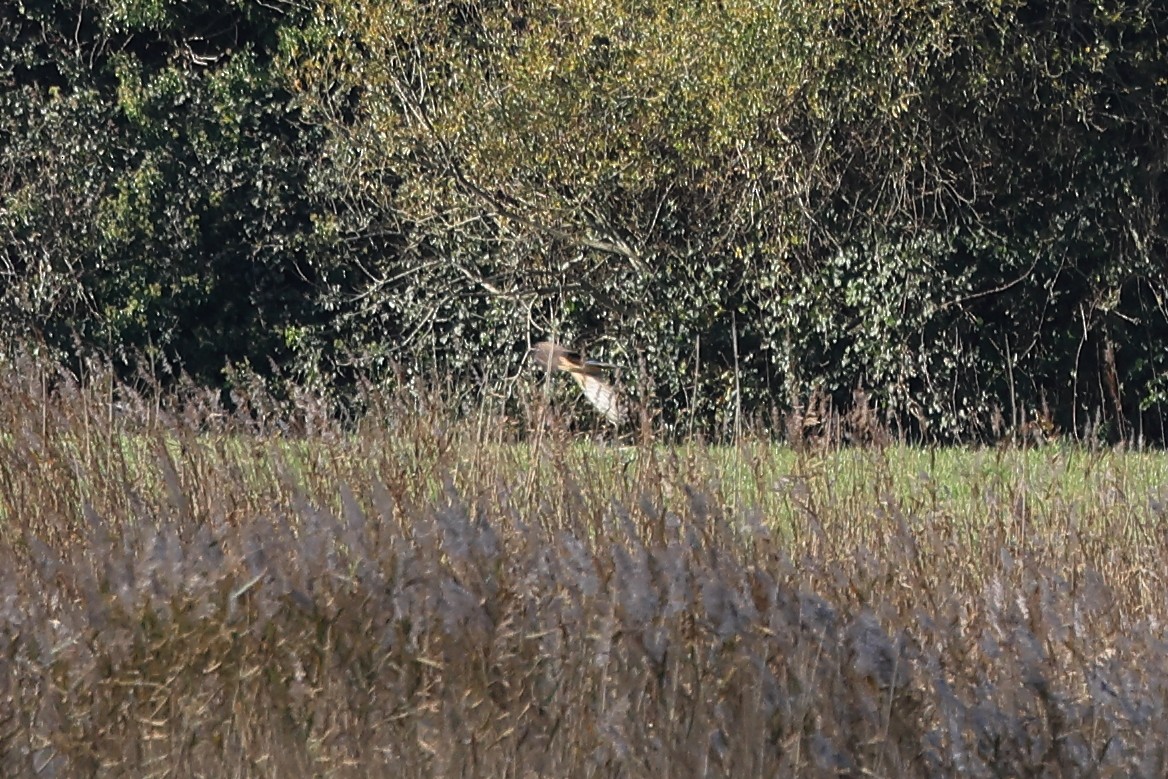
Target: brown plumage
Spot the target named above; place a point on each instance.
(552, 356)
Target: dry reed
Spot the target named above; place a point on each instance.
(192, 592)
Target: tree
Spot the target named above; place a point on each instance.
(157, 181)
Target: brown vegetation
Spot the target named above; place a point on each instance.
(194, 593)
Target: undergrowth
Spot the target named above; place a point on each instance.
(193, 592)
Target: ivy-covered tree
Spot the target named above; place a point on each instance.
(156, 183)
(955, 208)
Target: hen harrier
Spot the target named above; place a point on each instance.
(587, 374)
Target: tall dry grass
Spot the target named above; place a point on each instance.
(192, 592)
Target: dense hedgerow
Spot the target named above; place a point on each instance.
(193, 593)
(954, 208)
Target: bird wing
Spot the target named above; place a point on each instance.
(543, 354)
(552, 356)
(601, 395)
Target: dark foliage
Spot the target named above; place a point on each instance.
(955, 209)
(155, 182)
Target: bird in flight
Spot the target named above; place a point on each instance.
(587, 373)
